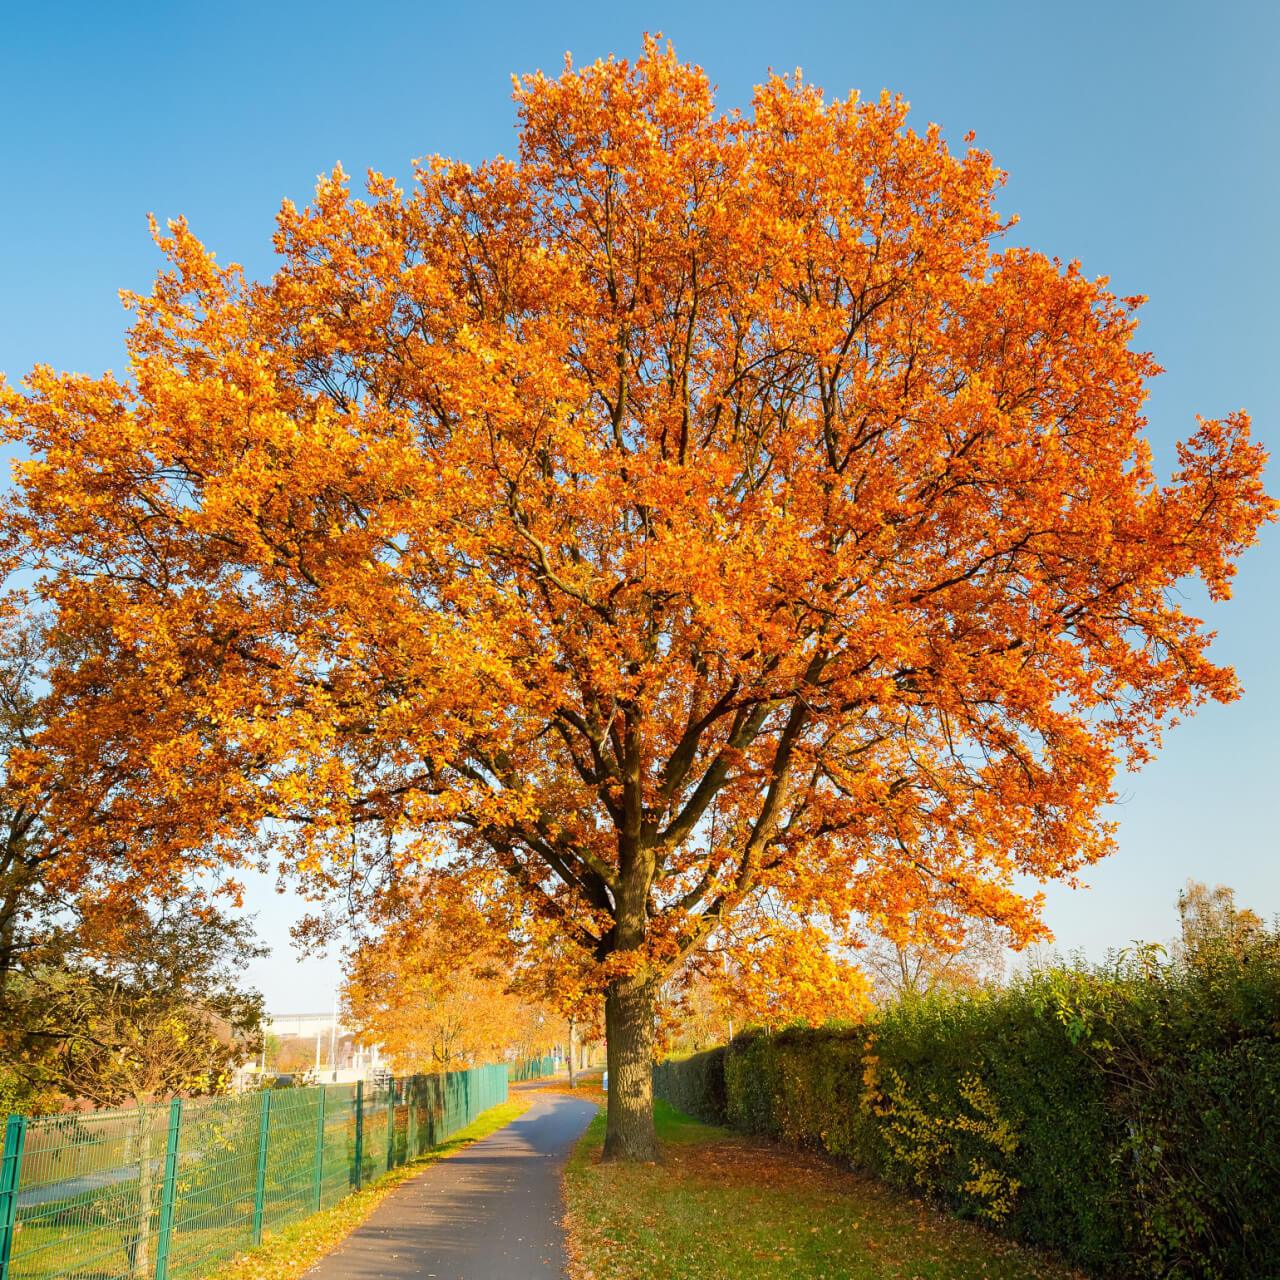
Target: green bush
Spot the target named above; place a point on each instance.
(1125, 1116)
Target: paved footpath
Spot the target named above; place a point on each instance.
(491, 1212)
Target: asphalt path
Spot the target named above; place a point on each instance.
(491, 1212)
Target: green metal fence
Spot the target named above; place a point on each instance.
(535, 1068)
(171, 1191)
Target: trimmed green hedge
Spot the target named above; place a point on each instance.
(694, 1085)
(1126, 1117)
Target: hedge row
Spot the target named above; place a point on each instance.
(1127, 1117)
(694, 1085)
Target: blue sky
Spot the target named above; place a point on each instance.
(1140, 138)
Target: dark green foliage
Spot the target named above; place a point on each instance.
(1125, 1116)
(1046, 1088)
(694, 1085)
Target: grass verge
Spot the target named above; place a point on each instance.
(721, 1204)
(294, 1249)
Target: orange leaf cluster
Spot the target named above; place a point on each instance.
(793, 976)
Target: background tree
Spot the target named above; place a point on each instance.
(437, 999)
(31, 933)
(794, 977)
(92, 1004)
(152, 1008)
(1210, 921)
(30, 904)
(695, 506)
(768, 970)
(916, 962)
(696, 1017)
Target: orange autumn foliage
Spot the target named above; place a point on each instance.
(793, 976)
(409, 991)
(766, 969)
(694, 505)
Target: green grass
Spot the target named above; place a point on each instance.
(722, 1205)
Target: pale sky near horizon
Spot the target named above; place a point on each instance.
(1140, 138)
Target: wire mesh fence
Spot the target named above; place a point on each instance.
(171, 1191)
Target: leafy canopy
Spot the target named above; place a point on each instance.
(694, 505)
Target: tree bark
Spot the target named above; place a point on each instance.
(138, 1243)
(628, 1019)
(573, 1046)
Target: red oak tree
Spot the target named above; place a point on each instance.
(695, 506)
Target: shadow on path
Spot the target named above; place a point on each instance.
(491, 1212)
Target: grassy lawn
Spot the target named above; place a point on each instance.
(722, 1205)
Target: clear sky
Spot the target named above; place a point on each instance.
(1140, 137)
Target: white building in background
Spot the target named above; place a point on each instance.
(332, 1053)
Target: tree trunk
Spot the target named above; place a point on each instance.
(628, 1021)
(573, 1045)
(138, 1243)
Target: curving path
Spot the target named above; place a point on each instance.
(491, 1212)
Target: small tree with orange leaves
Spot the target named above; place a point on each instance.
(435, 992)
(692, 506)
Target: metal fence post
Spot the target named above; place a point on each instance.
(259, 1191)
(319, 1179)
(167, 1190)
(359, 1134)
(391, 1123)
(15, 1132)
(411, 1120)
